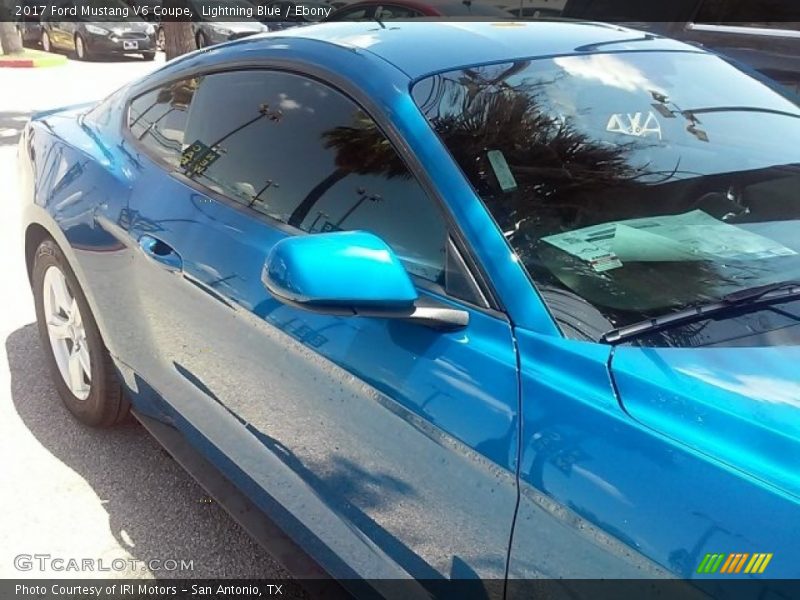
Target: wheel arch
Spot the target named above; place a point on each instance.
(37, 232)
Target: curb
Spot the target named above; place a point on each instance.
(28, 61)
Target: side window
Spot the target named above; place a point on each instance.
(100, 114)
(299, 152)
(158, 119)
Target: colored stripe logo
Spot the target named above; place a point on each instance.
(735, 562)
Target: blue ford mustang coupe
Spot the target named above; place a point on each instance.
(443, 300)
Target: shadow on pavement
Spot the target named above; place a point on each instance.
(11, 125)
(146, 494)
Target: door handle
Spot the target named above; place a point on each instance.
(161, 252)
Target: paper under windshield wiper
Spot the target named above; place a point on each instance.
(754, 296)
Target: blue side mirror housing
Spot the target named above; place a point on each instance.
(343, 272)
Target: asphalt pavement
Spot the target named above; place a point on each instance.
(66, 490)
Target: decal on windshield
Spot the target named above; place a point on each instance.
(636, 124)
(502, 171)
(691, 236)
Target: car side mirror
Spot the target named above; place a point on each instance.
(350, 273)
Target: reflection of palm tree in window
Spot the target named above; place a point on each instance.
(363, 196)
(476, 83)
(554, 165)
(362, 149)
(263, 111)
(565, 178)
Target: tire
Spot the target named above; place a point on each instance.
(200, 40)
(47, 45)
(95, 396)
(161, 39)
(81, 49)
(148, 56)
(20, 36)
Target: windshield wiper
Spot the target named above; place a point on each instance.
(754, 296)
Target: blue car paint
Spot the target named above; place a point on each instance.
(641, 491)
(350, 269)
(361, 411)
(740, 406)
(393, 449)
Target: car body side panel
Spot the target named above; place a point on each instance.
(643, 504)
(403, 435)
(738, 405)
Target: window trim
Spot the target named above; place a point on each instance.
(473, 271)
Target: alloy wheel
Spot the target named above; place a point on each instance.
(67, 333)
(45, 41)
(80, 51)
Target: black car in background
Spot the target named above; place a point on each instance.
(208, 30)
(761, 34)
(28, 23)
(89, 39)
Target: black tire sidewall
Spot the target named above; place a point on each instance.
(94, 409)
(85, 48)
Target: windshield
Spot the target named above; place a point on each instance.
(639, 183)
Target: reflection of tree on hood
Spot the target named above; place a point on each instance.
(362, 149)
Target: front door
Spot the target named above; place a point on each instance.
(391, 446)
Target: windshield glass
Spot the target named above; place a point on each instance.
(640, 183)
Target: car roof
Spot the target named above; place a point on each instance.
(420, 47)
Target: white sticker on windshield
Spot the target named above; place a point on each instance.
(501, 170)
(636, 124)
(691, 236)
